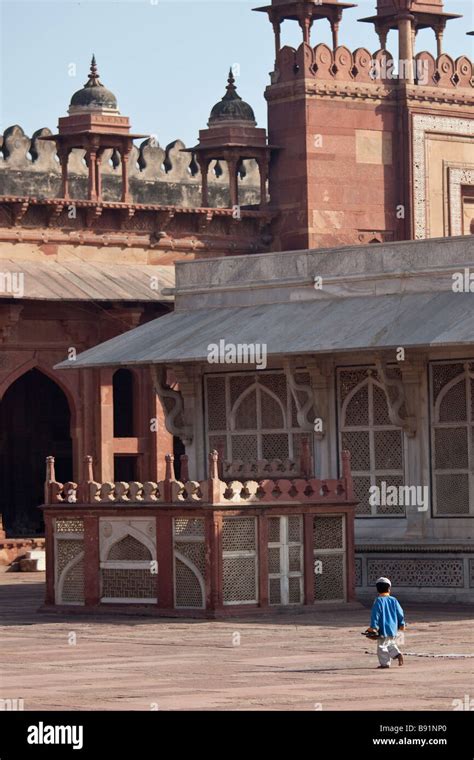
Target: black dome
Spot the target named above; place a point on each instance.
(94, 94)
(231, 107)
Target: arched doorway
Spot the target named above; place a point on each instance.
(34, 422)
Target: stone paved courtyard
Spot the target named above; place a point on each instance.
(285, 663)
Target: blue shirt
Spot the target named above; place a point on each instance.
(387, 615)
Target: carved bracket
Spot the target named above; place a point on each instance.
(92, 214)
(53, 213)
(306, 411)
(204, 220)
(18, 211)
(126, 214)
(407, 423)
(173, 406)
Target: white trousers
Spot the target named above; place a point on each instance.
(387, 649)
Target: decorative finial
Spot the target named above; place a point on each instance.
(231, 81)
(93, 80)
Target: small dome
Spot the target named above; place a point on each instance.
(94, 95)
(231, 107)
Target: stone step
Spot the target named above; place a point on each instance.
(34, 561)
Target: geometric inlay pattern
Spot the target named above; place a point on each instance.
(128, 583)
(375, 444)
(239, 560)
(427, 573)
(452, 437)
(252, 416)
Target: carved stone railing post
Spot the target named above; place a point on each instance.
(89, 487)
(169, 478)
(214, 484)
(50, 479)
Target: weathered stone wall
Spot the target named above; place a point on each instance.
(164, 176)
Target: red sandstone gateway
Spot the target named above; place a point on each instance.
(199, 548)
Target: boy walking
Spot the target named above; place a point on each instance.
(387, 619)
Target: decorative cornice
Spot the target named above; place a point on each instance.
(143, 225)
(370, 91)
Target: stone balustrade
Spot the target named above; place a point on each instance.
(213, 490)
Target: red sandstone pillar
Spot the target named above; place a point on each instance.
(263, 560)
(233, 182)
(164, 556)
(91, 561)
(214, 569)
(92, 188)
(405, 48)
(306, 23)
(125, 154)
(50, 596)
(439, 31)
(63, 155)
(382, 33)
(204, 167)
(106, 433)
(308, 560)
(98, 176)
(350, 562)
(263, 170)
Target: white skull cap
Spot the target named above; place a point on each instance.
(383, 580)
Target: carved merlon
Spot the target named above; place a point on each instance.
(176, 415)
(363, 67)
(395, 391)
(157, 175)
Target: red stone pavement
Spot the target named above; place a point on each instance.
(285, 662)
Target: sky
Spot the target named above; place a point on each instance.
(165, 60)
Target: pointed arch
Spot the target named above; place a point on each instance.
(51, 374)
(35, 421)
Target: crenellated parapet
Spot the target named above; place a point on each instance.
(29, 166)
(362, 66)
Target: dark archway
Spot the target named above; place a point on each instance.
(35, 421)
